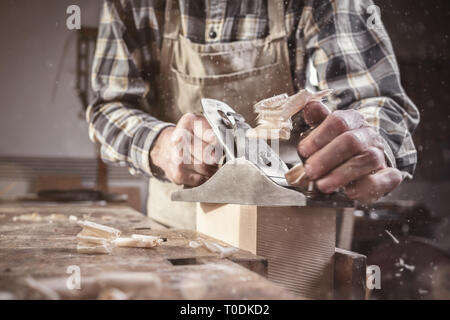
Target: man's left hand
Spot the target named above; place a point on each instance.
(344, 151)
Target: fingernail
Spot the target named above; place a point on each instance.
(325, 186)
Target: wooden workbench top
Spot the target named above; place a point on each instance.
(35, 256)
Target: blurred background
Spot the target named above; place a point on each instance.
(44, 141)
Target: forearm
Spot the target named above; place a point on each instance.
(116, 117)
(358, 62)
(126, 134)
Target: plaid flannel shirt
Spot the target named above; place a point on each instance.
(332, 44)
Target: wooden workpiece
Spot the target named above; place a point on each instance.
(298, 242)
(35, 255)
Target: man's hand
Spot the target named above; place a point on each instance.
(344, 151)
(186, 152)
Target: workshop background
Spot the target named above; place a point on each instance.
(44, 136)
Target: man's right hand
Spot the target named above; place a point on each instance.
(186, 152)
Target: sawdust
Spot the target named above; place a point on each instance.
(401, 263)
(392, 237)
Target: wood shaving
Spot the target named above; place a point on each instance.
(95, 238)
(296, 176)
(274, 114)
(392, 237)
(139, 241)
(33, 217)
(98, 230)
(224, 252)
(194, 244)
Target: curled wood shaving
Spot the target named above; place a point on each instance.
(95, 238)
(98, 230)
(274, 114)
(139, 241)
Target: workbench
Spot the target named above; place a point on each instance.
(38, 257)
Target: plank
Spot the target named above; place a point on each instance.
(298, 242)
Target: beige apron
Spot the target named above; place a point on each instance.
(238, 73)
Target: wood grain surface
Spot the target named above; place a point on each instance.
(35, 255)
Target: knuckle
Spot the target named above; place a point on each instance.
(195, 179)
(178, 176)
(356, 115)
(374, 136)
(339, 122)
(396, 177)
(372, 182)
(353, 142)
(374, 157)
(187, 118)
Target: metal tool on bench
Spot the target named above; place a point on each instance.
(253, 173)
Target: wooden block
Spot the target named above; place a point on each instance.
(345, 221)
(233, 224)
(350, 275)
(298, 242)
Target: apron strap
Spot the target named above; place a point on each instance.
(172, 19)
(277, 25)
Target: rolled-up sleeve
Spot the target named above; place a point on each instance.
(349, 50)
(117, 117)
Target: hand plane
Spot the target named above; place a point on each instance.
(252, 173)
